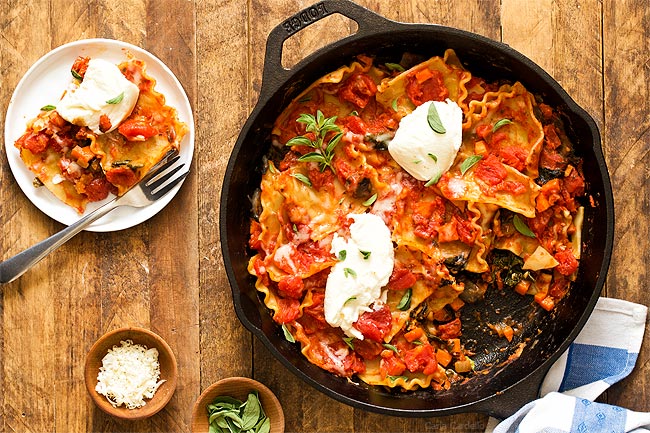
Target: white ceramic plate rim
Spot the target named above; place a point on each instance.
(44, 84)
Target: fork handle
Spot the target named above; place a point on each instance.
(17, 265)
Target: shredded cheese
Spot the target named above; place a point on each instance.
(129, 374)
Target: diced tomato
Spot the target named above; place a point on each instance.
(512, 186)
(98, 189)
(551, 137)
(137, 129)
(483, 130)
(375, 324)
(367, 348)
(432, 89)
(353, 364)
(358, 90)
(551, 159)
(80, 66)
(313, 318)
(35, 143)
(355, 124)
(288, 310)
(58, 121)
(559, 287)
(255, 232)
(574, 183)
(320, 178)
(421, 358)
(390, 365)
(490, 170)
(291, 286)
(568, 264)
(450, 330)
(513, 156)
(121, 176)
(465, 229)
(401, 279)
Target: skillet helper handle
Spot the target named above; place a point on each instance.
(17, 265)
(368, 22)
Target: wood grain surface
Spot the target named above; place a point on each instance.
(167, 274)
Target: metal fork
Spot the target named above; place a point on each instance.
(153, 186)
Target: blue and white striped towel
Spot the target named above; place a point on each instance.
(602, 354)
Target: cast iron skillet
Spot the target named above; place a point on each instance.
(508, 385)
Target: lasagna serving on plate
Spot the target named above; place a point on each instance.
(108, 129)
(396, 193)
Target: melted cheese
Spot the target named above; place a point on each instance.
(421, 151)
(355, 282)
(104, 90)
(129, 374)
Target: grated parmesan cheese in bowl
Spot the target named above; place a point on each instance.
(129, 374)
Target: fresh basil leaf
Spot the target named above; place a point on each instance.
(405, 302)
(469, 163)
(434, 180)
(287, 334)
(76, 75)
(333, 142)
(365, 254)
(390, 347)
(433, 118)
(393, 105)
(312, 157)
(348, 341)
(371, 200)
(350, 299)
(501, 123)
(48, 107)
(349, 272)
(395, 67)
(432, 156)
(265, 427)
(116, 100)
(299, 141)
(522, 227)
(251, 413)
(394, 378)
(342, 255)
(302, 178)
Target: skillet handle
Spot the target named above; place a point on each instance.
(274, 73)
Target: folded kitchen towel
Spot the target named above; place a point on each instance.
(604, 352)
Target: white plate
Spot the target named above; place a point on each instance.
(44, 84)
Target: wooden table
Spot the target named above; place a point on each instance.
(167, 273)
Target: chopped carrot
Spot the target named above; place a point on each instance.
(508, 332)
(83, 155)
(522, 287)
(457, 304)
(423, 75)
(443, 357)
(414, 334)
(546, 302)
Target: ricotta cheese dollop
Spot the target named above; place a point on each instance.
(104, 90)
(129, 374)
(365, 264)
(422, 152)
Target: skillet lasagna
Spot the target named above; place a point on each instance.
(393, 195)
(109, 128)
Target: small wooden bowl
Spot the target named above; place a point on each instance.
(237, 387)
(168, 371)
